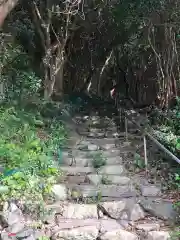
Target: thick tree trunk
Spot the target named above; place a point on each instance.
(6, 7)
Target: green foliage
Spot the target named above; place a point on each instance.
(20, 82)
(177, 202)
(98, 160)
(105, 180)
(167, 128)
(139, 162)
(27, 147)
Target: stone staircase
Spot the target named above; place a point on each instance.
(97, 198)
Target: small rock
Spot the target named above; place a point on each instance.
(156, 235)
(14, 217)
(119, 235)
(148, 227)
(92, 147)
(81, 233)
(136, 213)
(60, 191)
(15, 228)
(148, 191)
(114, 209)
(94, 179)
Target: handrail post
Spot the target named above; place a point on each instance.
(145, 153)
(126, 128)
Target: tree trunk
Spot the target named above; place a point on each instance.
(59, 88)
(6, 6)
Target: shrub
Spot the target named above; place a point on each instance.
(27, 147)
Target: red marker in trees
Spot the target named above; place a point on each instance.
(113, 93)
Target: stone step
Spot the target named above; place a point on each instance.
(103, 225)
(98, 146)
(104, 134)
(89, 191)
(97, 179)
(108, 153)
(102, 129)
(87, 162)
(75, 170)
(88, 154)
(105, 170)
(104, 141)
(112, 170)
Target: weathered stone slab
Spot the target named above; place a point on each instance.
(161, 208)
(70, 170)
(111, 179)
(112, 169)
(150, 190)
(126, 209)
(104, 190)
(81, 233)
(156, 235)
(113, 209)
(119, 235)
(77, 211)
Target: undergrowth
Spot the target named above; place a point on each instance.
(28, 146)
(167, 131)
